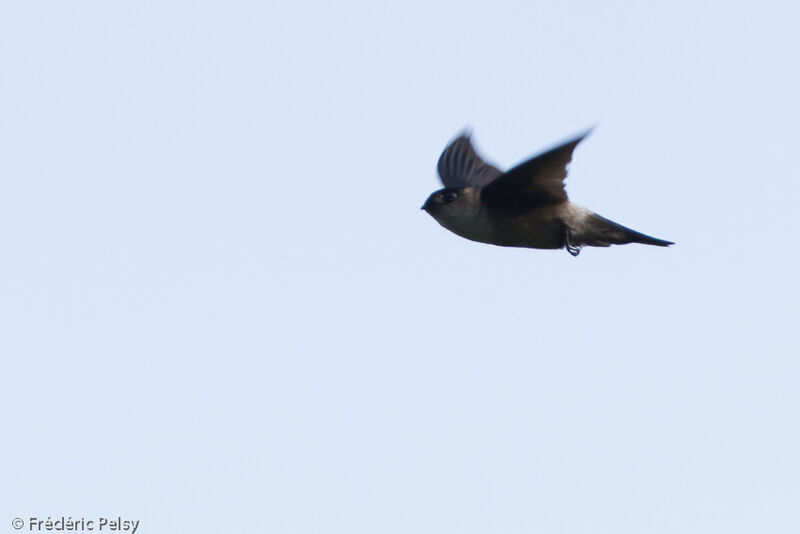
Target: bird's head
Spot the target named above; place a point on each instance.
(451, 204)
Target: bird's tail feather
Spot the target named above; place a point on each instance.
(601, 232)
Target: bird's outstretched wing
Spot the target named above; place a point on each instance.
(460, 166)
(534, 183)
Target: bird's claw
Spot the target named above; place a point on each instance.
(572, 249)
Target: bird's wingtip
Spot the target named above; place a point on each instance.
(465, 132)
(587, 132)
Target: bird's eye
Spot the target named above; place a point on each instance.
(449, 196)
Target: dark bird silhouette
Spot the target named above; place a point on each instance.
(526, 206)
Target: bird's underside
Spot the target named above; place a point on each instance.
(564, 225)
(526, 206)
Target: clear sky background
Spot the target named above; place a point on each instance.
(222, 310)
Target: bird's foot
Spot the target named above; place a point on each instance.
(572, 249)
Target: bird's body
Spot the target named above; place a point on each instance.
(524, 207)
(537, 228)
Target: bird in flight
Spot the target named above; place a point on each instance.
(526, 206)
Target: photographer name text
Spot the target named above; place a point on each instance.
(103, 524)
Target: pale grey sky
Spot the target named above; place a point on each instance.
(221, 308)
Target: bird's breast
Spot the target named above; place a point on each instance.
(541, 228)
